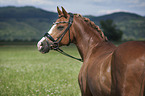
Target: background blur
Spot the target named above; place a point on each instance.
(28, 20)
(84, 7)
(26, 72)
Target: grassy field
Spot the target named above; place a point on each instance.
(26, 72)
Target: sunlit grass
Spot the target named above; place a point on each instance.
(26, 72)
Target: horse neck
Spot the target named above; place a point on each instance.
(86, 37)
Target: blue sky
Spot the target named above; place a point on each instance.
(84, 7)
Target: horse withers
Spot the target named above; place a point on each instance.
(107, 70)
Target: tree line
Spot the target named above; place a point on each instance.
(110, 30)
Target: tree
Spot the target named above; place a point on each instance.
(110, 30)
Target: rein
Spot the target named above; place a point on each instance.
(56, 42)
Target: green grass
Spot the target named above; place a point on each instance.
(26, 72)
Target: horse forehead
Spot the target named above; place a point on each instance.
(61, 19)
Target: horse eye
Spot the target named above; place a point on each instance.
(60, 28)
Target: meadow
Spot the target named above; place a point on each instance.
(26, 72)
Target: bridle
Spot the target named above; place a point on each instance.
(56, 42)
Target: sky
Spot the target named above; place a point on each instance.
(84, 7)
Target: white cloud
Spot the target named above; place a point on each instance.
(115, 10)
(99, 0)
(84, 7)
(133, 1)
(26, 2)
(35, 2)
(142, 5)
(138, 5)
(103, 12)
(4, 2)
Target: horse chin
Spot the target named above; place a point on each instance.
(44, 50)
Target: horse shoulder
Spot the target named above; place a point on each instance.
(99, 75)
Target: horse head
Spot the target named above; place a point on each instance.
(59, 34)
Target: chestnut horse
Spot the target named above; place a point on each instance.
(107, 70)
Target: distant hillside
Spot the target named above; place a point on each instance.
(132, 25)
(24, 23)
(25, 12)
(30, 23)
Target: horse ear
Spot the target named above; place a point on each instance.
(59, 11)
(64, 12)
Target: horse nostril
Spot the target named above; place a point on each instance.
(41, 44)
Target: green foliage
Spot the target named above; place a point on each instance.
(26, 72)
(134, 29)
(110, 30)
(132, 25)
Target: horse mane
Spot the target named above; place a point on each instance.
(93, 25)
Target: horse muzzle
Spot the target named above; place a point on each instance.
(43, 47)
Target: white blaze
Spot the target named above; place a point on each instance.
(51, 30)
(43, 39)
